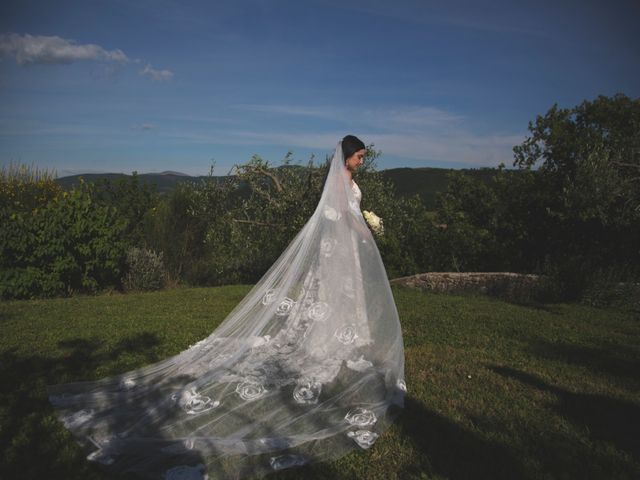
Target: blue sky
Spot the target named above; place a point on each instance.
(117, 86)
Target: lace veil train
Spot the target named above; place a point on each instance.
(308, 366)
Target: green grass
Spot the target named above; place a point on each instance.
(496, 390)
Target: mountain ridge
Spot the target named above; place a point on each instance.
(426, 182)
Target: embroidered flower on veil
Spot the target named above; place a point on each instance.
(364, 438)
(331, 213)
(318, 311)
(346, 335)
(361, 417)
(193, 402)
(327, 245)
(285, 307)
(269, 296)
(127, 384)
(359, 365)
(255, 342)
(250, 390)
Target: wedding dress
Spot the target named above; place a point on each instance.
(308, 366)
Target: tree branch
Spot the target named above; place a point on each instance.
(254, 222)
(622, 164)
(273, 178)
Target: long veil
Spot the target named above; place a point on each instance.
(308, 366)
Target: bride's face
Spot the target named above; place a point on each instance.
(355, 161)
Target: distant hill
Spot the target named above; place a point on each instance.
(164, 181)
(425, 182)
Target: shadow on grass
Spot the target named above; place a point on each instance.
(552, 308)
(525, 301)
(31, 430)
(84, 354)
(451, 451)
(34, 444)
(617, 361)
(606, 419)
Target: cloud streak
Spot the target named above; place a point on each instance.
(456, 148)
(50, 50)
(30, 50)
(417, 133)
(460, 147)
(383, 117)
(156, 75)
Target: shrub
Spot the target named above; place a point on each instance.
(69, 245)
(612, 287)
(133, 199)
(24, 188)
(145, 270)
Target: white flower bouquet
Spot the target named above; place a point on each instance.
(374, 222)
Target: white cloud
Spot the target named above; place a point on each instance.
(456, 147)
(38, 49)
(415, 117)
(390, 118)
(51, 50)
(156, 75)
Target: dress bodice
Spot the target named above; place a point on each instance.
(356, 191)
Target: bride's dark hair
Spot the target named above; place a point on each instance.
(350, 145)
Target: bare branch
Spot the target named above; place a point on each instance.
(622, 164)
(253, 222)
(266, 173)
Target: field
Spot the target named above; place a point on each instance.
(496, 390)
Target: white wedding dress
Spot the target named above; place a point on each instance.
(309, 365)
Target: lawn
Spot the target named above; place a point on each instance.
(496, 390)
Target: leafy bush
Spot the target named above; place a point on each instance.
(177, 227)
(133, 200)
(145, 270)
(25, 188)
(68, 245)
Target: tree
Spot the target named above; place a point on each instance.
(590, 155)
(133, 199)
(586, 190)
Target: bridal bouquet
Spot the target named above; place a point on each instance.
(374, 222)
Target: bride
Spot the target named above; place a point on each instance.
(308, 366)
